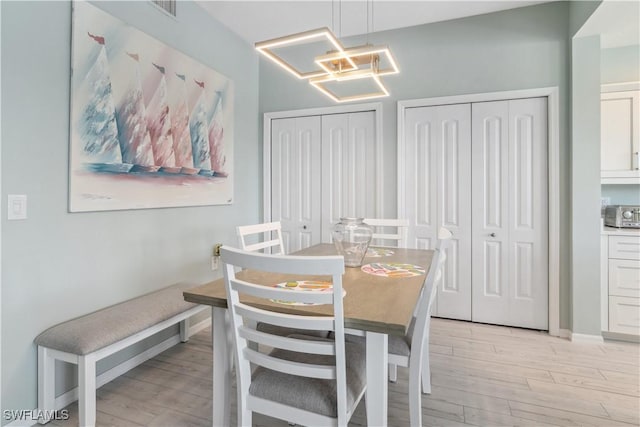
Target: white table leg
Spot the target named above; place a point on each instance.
(377, 370)
(221, 368)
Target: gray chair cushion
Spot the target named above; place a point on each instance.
(397, 345)
(285, 332)
(99, 329)
(311, 394)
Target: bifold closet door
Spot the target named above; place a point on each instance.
(437, 175)
(349, 175)
(296, 180)
(510, 214)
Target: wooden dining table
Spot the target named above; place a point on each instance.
(374, 307)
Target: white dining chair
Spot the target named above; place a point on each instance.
(266, 237)
(412, 351)
(303, 380)
(382, 235)
(271, 235)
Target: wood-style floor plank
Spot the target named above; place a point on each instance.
(482, 375)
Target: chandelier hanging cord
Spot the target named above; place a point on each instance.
(333, 16)
(367, 3)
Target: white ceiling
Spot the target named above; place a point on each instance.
(255, 21)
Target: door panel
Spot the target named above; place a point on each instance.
(490, 157)
(349, 168)
(437, 175)
(510, 225)
(295, 180)
(528, 213)
(421, 177)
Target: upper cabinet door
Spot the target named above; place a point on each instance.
(619, 129)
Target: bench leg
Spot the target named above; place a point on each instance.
(46, 382)
(87, 390)
(184, 330)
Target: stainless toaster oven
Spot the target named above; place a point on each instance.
(622, 216)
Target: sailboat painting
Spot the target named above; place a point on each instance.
(150, 127)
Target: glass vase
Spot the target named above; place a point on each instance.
(352, 236)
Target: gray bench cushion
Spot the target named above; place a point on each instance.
(311, 394)
(99, 329)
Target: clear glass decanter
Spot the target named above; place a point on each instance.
(352, 237)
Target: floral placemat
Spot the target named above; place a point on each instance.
(393, 269)
(304, 285)
(379, 252)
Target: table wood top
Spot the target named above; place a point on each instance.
(372, 303)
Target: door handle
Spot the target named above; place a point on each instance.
(492, 234)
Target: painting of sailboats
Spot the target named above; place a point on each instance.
(150, 127)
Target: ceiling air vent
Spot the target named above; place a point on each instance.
(168, 6)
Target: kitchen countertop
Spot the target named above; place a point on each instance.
(612, 231)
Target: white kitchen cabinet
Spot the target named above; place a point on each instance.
(621, 281)
(624, 315)
(619, 137)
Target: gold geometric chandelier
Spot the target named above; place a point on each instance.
(344, 75)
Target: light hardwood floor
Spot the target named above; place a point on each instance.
(482, 375)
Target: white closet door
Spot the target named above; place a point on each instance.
(510, 215)
(295, 180)
(348, 168)
(438, 182)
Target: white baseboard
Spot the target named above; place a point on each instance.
(586, 339)
(564, 333)
(617, 336)
(72, 395)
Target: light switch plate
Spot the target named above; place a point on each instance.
(17, 206)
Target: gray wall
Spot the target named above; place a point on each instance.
(622, 194)
(58, 265)
(585, 176)
(620, 64)
(617, 65)
(516, 49)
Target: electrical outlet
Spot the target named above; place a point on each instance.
(605, 201)
(216, 249)
(215, 256)
(16, 206)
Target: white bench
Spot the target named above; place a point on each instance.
(90, 338)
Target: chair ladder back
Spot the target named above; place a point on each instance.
(265, 232)
(425, 302)
(245, 317)
(285, 320)
(286, 343)
(311, 370)
(399, 237)
(282, 294)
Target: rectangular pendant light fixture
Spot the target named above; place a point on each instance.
(320, 83)
(360, 55)
(321, 34)
(337, 66)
